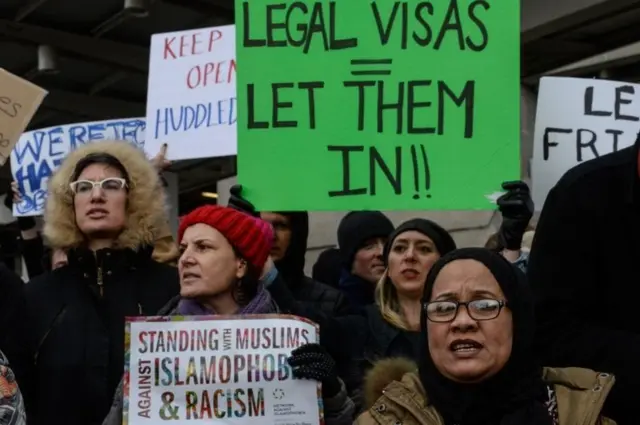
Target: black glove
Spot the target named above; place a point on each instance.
(311, 361)
(516, 207)
(236, 201)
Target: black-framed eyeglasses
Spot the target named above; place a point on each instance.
(446, 311)
(111, 184)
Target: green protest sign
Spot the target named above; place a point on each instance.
(391, 105)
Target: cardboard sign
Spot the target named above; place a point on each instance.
(231, 370)
(578, 120)
(38, 154)
(19, 101)
(382, 105)
(191, 96)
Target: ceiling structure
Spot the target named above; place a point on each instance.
(93, 55)
(94, 59)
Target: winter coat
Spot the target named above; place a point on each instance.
(309, 292)
(395, 396)
(76, 314)
(582, 270)
(12, 410)
(338, 410)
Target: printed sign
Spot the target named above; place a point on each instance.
(39, 153)
(191, 101)
(578, 120)
(234, 370)
(377, 105)
(19, 101)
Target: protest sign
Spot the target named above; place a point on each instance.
(19, 101)
(377, 105)
(578, 120)
(191, 100)
(38, 153)
(232, 369)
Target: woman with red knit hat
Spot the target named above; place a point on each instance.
(223, 254)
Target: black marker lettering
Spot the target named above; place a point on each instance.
(412, 105)
(310, 87)
(615, 134)
(467, 97)
(588, 105)
(361, 98)
(385, 32)
(247, 41)
(346, 171)
(481, 26)
(452, 23)
(628, 89)
(546, 143)
(277, 105)
(335, 42)
(590, 144)
(272, 26)
(316, 25)
(298, 5)
(251, 116)
(397, 105)
(422, 21)
(376, 158)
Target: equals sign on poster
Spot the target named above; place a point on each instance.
(372, 64)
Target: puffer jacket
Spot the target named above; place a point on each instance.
(76, 314)
(395, 396)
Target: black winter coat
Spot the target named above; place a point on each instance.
(583, 270)
(310, 293)
(76, 330)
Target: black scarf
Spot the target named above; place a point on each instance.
(514, 396)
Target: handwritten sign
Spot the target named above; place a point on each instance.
(19, 101)
(578, 120)
(377, 105)
(191, 101)
(230, 369)
(39, 153)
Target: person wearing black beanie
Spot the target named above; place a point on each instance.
(361, 239)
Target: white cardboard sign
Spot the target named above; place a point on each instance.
(578, 120)
(191, 100)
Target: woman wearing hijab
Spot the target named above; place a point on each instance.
(106, 210)
(223, 254)
(477, 366)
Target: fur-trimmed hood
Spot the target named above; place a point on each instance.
(146, 201)
(382, 374)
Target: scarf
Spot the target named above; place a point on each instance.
(262, 303)
(516, 395)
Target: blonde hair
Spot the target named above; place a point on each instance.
(386, 297)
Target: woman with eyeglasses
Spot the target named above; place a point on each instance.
(477, 365)
(106, 210)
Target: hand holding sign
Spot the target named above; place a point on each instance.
(19, 100)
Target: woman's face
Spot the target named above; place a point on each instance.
(368, 263)
(208, 265)
(100, 209)
(466, 350)
(411, 257)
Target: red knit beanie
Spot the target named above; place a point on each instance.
(250, 236)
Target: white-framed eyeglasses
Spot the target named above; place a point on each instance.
(111, 184)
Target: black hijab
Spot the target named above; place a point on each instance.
(514, 396)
